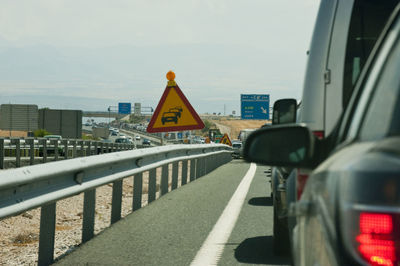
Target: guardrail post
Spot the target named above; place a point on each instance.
(175, 166)
(17, 144)
(96, 148)
(101, 148)
(116, 201)
(30, 142)
(137, 191)
(47, 232)
(81, 148)
(184, 172)
(192, 170)
(89, 148)
(65, 143)
(198, 167)
(112, 147)
(55, 143)
(1, 153)
(209, 164)
(152, 185)
(74, 152)
(89, 204)
(164, 179)
(44, 155)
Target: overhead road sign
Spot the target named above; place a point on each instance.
(174, 112)
(124, 108)
(226, 140)
(254, 106)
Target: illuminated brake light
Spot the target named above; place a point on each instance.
(377, 239)
(319, 134)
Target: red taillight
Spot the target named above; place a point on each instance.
(302, 177)
(319, 134)
(376, 240)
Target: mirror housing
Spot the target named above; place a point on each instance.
(284, 111)
(283, 145)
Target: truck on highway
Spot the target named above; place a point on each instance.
(244, 133)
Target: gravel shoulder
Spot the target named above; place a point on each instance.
(19, 235)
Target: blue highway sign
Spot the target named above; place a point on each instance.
(254, 106)
(124, 108)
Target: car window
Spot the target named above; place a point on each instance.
(382, 116)
(367, 21)
(376, 110)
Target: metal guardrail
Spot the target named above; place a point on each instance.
(25, 188)
(17, 152)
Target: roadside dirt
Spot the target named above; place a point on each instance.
(19, 235)
(233, 127)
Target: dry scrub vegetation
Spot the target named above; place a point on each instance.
(233, 127)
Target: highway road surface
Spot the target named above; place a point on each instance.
(223, 218)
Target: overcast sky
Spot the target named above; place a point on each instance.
(93, 54)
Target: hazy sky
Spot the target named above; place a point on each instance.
(93, 54)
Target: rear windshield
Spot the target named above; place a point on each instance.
(236, 145)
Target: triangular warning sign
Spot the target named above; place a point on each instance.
(225, 140)
(174, 113)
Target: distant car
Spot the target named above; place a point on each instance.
(146, 142)
(237, 149)
(122, 140)
(137, 137)
(169, 117)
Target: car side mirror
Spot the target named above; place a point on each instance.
(284, 111)
(284, 145)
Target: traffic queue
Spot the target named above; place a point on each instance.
(336, 156)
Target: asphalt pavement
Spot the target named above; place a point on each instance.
(172, 229)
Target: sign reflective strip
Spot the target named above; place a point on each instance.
(212, 248)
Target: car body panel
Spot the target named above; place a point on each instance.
(359, 174)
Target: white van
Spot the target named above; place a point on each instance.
(344, 35)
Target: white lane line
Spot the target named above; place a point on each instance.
(212, 248)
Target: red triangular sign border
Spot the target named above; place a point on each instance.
(196, 117)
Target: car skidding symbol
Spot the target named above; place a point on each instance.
(170, 117)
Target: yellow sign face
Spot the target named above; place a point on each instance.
(226, 140)
(174, 113)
